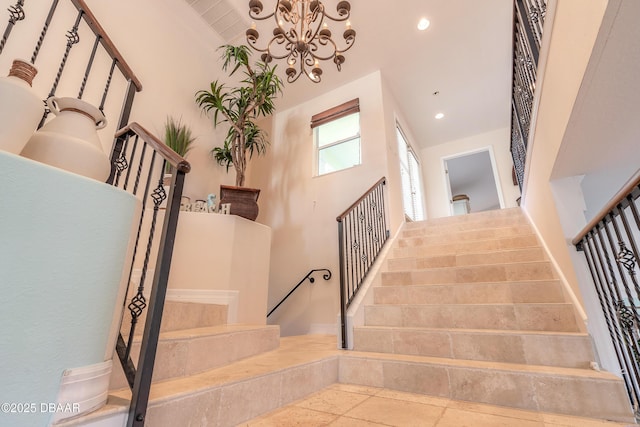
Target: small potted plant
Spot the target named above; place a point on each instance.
(178, 137)
(240, 107)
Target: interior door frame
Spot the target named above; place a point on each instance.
(494, 169)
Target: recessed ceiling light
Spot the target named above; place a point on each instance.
(439, 116)
(423, 24)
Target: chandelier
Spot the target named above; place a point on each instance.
(302, 36)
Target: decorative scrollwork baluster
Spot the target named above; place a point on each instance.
(16, 13)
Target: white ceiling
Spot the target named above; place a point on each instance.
(465, 55)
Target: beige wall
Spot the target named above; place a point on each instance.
(301, 208)
(573, 34)
(436, 194)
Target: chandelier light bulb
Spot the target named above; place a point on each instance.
(301, 35)
(423, 24)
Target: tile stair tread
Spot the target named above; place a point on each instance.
(447, 230)
(487, 252)
(461, 283)
(441, 304)
(411, 270)
(186, 334)
(479, 331)
(400, 238)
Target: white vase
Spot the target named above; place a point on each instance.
(20, 107)
(70, 140)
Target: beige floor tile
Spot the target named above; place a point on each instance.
(352, 388)
(553, 420)
(494, 410)
(333, 401)
(458, 418)
(353, 422)
(395, 412)
(292, 416)
(413, 397)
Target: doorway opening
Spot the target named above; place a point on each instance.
(472, 182)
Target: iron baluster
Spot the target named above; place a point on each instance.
(72, 39)
(121, 163)
(43, 33)
(343, 278)
(139, 172)
(134, 150)
(623, 279)
(96, 43)
(610, 320)
(16, 13)
(107, 85)
(628, 258)
(117, 149)
(632, 347)
(149, 346)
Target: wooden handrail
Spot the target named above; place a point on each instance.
(340, 217)
(171, 156)
(615, 200)
(106, 42)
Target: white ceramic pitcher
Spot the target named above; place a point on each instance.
(70, 140)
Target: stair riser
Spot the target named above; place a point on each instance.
(481, 293)
(474, 274)
(525, 317)
(421, 248)
(180, 315)
(480, 217)
(440, 234)
(465, 236)
(571, 395)
(495, 257)
(235, 403)
(184, 357)
(538, 349)
(430, 228)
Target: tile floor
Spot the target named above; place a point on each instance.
(342, 405)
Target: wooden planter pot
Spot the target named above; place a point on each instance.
(243, 200)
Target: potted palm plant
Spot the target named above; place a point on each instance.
(240, 107)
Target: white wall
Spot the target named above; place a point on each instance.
(432, 168)
(572, 35)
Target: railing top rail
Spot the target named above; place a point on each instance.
(171, 156)
(107, 43)
(615, 200)
(340, 217)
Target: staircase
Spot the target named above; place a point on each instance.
(471, 309)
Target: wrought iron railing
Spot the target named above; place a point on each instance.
(141, 160)
(362, 232)
(138, 161)
(610, 243)
(309, 276)
(527, 37)
(101, 45)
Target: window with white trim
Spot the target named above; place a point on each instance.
(412, 197)
(337, 137)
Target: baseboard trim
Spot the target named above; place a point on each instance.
(83, 390)
(209, 296)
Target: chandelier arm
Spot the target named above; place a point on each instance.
(260, 18)
(338, 19)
